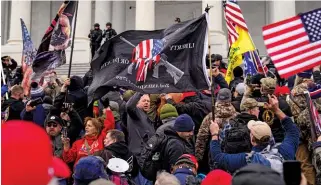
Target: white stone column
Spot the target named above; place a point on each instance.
(119, 16)
(280, 10)
(83, 20)
(82, 52)
(217, 39)
(145, 15)
(18, 9)
(103, 13)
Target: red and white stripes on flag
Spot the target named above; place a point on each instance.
(294, 44)
(233, 16)
(144, 54)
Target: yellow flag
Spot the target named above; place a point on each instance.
(241, 45)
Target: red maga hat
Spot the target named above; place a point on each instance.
(27, 156)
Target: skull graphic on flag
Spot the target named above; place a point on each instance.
(144, 54)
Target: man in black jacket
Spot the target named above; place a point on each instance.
(95, 39)
(115, 146)
(14, 105)
(139, 126)
(109, 32)
(178, 140)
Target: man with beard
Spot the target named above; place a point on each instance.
(53, 127)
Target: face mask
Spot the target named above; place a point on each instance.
(256, 93)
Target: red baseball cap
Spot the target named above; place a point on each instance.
(217, 177)
(189, 159)
(27, 156)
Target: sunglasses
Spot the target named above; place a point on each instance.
(52, 124)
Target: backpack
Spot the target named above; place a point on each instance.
(152, 153)
(269, 156)
(237, 138)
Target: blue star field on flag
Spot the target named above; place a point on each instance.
(312, 24)
(29, 51)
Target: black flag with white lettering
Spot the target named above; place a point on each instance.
(161, 61)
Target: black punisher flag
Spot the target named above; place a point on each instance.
(160, 61)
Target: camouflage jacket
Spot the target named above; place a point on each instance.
(301, 113)
(223, 113)
(317, 161)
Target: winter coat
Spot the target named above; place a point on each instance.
(182, 173)
(15, 108)
(235, 81)
(11, 66)
(96, 143)
(175, 147)
(57, 146)
(120, 150)
(233, 162)
(276, 127)
(75, 125)
(77, 95)
(223, 113)
(168, 122)
(108, 34)
(139, 126)
(317, 160)
(95, 37)
(237, 103)
(37, 116)
(301, 113)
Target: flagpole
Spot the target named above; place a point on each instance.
(73, 40)
(211, 69)
(72, 46)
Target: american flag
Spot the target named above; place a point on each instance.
(29, 51)
(294, 44)
(233, 16)
(144, 54)
(316, 121)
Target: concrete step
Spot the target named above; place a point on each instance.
(78, 69)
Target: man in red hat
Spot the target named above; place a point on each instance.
(27, 156)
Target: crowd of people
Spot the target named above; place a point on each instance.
(164, 139)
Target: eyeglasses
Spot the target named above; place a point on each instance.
(52, 124)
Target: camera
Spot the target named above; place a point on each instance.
(35, 102)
